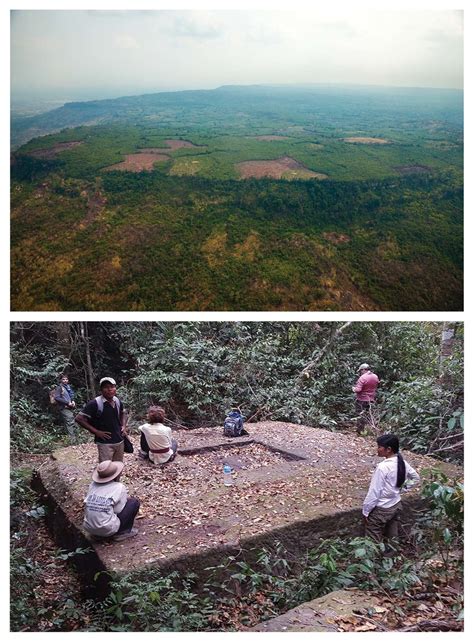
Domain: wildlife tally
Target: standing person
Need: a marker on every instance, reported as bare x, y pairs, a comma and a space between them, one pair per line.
64, 398
365, 389
156, 442
105, 418
382, 504
109, 511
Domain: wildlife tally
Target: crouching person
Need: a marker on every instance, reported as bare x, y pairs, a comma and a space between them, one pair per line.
109, 511
156, 442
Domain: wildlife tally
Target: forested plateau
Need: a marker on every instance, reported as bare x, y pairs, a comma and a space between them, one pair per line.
256, 198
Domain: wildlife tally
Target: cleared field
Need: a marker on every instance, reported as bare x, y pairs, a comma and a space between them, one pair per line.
138, 162
367, 140
284, 167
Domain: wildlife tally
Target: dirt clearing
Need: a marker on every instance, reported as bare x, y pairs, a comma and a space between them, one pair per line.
367, 140
284, 167
138, 162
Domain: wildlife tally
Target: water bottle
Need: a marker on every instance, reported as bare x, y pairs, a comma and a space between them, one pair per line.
228, 480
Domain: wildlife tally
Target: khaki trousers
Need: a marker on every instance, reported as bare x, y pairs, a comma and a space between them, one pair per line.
114, 452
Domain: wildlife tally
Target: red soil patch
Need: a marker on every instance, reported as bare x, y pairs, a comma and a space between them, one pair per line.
145, 158
284, 167
367, 140
52, 152
138, 162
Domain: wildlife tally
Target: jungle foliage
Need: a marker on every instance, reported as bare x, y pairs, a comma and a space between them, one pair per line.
383, 231
294, 372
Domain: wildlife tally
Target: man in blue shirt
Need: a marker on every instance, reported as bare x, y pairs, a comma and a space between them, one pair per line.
64, 398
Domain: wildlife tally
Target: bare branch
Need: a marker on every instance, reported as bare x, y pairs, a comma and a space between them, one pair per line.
324, 349
460, 444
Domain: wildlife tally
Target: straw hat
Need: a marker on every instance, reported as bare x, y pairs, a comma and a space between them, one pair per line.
107, 470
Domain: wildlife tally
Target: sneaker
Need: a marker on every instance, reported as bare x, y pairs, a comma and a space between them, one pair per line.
125, 535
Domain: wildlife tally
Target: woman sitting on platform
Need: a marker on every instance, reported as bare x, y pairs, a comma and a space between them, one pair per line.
156, 443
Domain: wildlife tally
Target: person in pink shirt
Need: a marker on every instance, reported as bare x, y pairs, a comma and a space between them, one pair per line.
365, 390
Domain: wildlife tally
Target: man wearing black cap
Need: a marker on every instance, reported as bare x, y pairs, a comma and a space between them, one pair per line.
105, 418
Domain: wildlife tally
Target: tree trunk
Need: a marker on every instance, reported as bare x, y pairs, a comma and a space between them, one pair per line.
83, 328
448, 337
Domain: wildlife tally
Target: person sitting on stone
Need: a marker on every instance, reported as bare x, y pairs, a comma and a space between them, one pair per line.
156, 443
109, 511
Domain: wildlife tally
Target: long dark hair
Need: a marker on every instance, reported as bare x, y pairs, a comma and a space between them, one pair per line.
391, 441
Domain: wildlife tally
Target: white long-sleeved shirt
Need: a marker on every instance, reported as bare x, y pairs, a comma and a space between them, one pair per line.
383, 490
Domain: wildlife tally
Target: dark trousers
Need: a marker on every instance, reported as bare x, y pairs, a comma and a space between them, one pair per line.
128, 514
362, 409
383, 522
146, 448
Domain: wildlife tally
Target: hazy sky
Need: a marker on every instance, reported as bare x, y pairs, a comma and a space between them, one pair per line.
119, 52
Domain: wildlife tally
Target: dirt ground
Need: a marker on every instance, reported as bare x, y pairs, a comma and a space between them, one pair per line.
284, 167
138, 162
295, 473
145, 158
367, 140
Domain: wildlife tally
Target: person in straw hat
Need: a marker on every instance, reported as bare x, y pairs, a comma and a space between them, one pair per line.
109, 511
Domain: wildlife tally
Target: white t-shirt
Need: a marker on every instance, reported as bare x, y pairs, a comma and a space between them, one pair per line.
158, 436
102, 504
383, 489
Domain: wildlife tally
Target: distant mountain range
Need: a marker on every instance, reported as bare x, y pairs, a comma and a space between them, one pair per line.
231, 103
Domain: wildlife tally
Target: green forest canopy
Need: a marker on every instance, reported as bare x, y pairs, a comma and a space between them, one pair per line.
383, 231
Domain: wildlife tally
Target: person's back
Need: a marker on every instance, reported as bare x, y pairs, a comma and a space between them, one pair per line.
158, 437
102, 504
156, 442
109, 511
366, 386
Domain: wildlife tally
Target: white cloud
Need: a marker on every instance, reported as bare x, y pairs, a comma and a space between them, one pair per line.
125, 41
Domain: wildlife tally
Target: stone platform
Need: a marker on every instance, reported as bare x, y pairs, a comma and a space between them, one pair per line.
293, 484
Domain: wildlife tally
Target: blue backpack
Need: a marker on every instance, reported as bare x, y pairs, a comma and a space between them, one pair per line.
234, 424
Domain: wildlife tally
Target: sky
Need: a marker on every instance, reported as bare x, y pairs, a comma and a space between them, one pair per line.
100, 53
